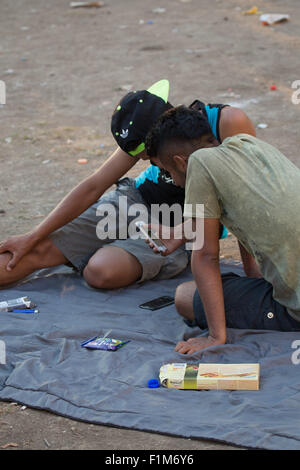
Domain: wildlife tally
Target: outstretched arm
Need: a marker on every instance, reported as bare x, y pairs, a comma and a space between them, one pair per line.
206, 271
76, 202
86, 193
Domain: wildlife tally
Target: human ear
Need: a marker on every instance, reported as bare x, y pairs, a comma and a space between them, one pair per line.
180, 162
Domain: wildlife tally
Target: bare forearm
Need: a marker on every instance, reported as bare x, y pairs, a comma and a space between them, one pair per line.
76, 202
208, 279
85, 194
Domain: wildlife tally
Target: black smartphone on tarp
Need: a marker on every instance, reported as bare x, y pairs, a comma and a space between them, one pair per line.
160, 302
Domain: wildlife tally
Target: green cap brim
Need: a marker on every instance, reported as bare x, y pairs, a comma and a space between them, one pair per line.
160, 89
138, 150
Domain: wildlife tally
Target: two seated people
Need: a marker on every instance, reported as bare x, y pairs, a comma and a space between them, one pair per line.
204, 154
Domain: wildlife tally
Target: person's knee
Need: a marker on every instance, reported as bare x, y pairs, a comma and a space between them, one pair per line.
112, 268
184, 300
180, 301
98, 275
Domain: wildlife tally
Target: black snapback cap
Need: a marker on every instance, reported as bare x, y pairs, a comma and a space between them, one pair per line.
135, 115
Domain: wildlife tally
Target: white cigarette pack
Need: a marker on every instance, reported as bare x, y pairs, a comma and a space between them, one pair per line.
210, 376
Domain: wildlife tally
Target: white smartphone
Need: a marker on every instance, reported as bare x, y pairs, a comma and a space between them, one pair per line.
151, 236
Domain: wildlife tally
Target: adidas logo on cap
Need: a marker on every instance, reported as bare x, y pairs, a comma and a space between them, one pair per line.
124, 133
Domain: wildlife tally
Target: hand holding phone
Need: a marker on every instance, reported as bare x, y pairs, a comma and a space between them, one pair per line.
151, 236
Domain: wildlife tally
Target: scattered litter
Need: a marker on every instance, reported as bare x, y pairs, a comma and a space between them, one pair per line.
153, 383
105, 103
23, 408
141, 22
104, 343
262, 125
9, 71
9, 444
269, 19
46, 442
150, 22
27, 310
86, 4
152, 48
252, 11
101, 146
2, 211
8, 140
210, 376
69, 141
244, 103
230, 94
45, 162
123, 88
273, 87
25, 28
195, 51
82, 161
74, 431
21, 302
159, 10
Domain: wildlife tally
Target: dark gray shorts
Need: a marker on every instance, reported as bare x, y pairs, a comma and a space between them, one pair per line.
249, 304
78, 240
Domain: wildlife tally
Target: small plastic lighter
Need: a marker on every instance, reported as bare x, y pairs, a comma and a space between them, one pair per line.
27, 310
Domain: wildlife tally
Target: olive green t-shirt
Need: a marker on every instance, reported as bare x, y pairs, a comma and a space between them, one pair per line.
255, 192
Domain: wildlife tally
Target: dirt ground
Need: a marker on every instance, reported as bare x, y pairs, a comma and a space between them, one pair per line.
65, 70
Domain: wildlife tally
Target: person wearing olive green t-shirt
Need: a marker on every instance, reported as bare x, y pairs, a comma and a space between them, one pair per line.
254, 190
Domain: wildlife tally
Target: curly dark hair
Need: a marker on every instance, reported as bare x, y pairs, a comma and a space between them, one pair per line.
177, 125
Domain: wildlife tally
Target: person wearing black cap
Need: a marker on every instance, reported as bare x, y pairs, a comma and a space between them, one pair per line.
68, 235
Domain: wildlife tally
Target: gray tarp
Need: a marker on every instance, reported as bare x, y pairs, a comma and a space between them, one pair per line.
47, 368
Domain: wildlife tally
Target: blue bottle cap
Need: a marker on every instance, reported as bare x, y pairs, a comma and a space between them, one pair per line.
153, 383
